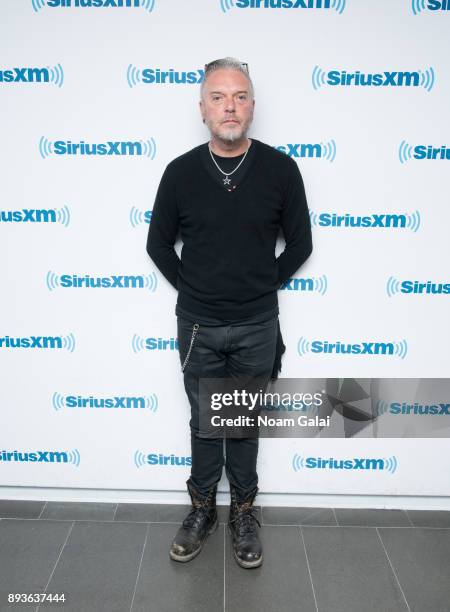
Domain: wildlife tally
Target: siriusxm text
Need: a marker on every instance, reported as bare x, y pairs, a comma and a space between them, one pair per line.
360, 348
25, 75
287, 4
374, 220
102, 282
158, 76
77, 401
61, 147
28, 215
409, 286
94, 3
404, 408
345, 464
378, 79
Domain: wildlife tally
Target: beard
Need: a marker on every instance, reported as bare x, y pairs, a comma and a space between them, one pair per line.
230, 134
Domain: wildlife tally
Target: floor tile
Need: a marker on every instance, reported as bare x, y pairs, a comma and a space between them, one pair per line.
429, 518
421, 560
350, 571
21, 509
74, 511
371, 517
280, 584
167, 586
98, 567
29, 551
273, 515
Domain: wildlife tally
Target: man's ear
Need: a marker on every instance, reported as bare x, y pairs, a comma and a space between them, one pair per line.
201, 110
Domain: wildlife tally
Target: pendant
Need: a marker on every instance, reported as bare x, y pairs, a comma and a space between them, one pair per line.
226, 181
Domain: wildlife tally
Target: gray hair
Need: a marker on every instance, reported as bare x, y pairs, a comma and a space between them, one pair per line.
227, 63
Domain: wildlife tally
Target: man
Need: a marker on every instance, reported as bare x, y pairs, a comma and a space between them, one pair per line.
228, 198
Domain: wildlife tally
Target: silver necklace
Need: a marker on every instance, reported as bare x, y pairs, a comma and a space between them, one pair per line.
227, 180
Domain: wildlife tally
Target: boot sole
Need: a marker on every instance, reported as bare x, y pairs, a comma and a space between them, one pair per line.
192, 555
245, 564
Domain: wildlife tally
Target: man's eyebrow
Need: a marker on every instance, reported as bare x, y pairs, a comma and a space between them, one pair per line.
221, 92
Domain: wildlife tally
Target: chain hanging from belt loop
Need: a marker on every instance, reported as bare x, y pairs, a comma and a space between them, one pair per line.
194, 333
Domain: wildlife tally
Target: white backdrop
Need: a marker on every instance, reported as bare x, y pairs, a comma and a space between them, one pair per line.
95, 209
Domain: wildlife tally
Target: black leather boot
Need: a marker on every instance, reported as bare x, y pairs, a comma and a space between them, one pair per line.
242, 522
198, 524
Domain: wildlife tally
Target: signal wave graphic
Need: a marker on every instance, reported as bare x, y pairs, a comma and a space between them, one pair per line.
321, 284
45, 147
74, 457
427, 78
137, 344
52, 280
58, 401
318, 77
149, 148
140, 459
381, 407
303, 346
63, 215
148, 5
133, 76
401, 349
329, 150
392, 286
226, 5
57, 75
405, 152
413, 221
137, 216
339, 6
298, 462
37, 5
69, 342
417, 6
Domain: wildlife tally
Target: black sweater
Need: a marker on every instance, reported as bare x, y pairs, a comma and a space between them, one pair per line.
228, 267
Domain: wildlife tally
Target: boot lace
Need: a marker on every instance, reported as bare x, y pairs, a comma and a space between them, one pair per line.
245, 521
196, 516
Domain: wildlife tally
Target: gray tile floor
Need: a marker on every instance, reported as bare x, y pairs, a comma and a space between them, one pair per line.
114, 558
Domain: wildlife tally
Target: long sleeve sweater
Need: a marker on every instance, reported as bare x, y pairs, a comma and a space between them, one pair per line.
228, 267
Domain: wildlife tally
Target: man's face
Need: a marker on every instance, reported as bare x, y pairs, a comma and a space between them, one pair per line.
227, 104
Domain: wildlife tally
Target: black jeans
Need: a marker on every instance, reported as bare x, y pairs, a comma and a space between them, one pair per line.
225, 351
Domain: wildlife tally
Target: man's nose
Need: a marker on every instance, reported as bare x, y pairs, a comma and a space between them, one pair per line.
230, 105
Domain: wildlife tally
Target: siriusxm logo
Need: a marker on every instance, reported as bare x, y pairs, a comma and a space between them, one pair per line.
39, 342
375, 220
141, 459
407, 152
397, 349
74, 281
139, 344
432, 5
34, 215
402, 408
54, 75
319, 150
147, 5
158, 76
138, 216
149, 402
336, 5
15, 456
144, 148
317, 284
394, 286
385, 464
343, 78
